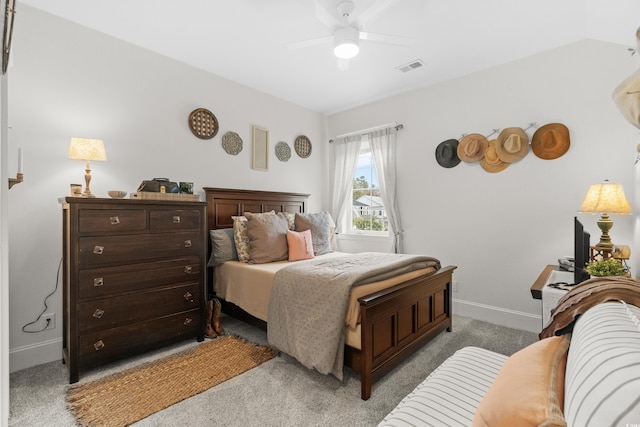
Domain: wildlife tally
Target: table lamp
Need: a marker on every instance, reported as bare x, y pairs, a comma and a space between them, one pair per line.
605, 198
87, 149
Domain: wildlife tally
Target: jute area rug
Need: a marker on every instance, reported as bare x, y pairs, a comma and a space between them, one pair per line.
123, 398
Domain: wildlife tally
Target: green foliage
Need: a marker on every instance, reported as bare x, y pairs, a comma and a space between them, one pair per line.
360, 182
606, 267
367, 222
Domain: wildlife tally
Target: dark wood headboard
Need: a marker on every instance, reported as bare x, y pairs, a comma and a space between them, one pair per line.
223, 203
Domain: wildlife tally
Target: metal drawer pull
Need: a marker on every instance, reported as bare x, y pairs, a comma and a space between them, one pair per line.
188, 297
176, 219
98, 281
187, 243
98, 313
99, 345
187, 321
188, 269
98, 250
114, 220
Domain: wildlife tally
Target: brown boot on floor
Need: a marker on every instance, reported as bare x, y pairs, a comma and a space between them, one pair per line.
209, 331
215, 320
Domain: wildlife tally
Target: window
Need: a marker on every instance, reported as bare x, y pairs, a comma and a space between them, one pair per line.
368, 214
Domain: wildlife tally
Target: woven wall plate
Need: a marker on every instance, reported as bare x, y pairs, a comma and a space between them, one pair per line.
283, 151
203, 123
303, 146
232, 143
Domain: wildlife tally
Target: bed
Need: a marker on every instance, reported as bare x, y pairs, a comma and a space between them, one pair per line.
394, 320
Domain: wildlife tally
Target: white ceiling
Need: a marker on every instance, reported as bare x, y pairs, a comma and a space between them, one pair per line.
246, 40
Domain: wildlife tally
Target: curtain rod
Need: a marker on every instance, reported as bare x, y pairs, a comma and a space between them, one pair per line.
365, 131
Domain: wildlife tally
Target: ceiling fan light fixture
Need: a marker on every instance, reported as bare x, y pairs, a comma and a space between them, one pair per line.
346, 43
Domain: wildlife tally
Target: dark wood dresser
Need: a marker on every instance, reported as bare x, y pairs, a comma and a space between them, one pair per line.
134, 277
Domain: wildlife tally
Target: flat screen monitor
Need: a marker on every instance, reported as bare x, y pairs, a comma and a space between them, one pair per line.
581, 243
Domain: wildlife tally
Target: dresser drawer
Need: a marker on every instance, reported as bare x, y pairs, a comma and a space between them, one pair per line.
175, 219
107, 313
106, 281
116, 343
103, 250
111, 220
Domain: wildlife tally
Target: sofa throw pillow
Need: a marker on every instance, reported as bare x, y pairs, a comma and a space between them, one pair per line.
223, 247
320, 226
529, 389
267, 237
300, 245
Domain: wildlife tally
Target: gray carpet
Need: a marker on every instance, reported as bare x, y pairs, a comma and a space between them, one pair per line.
279, 392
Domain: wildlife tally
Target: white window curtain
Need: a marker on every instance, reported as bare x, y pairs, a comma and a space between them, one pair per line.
344, 155
383, 151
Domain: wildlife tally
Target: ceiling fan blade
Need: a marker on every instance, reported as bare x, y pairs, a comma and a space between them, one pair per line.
386, 39
327, 17
373, 11
310, 42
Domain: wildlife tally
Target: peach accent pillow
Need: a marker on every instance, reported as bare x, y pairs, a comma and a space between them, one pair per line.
529, 389
300, 245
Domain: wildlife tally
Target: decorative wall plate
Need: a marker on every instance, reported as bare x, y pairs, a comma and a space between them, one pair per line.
283, 151
232, 143
303, 146
203, 123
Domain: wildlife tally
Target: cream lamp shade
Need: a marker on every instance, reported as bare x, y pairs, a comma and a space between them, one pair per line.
87, 149
605, 198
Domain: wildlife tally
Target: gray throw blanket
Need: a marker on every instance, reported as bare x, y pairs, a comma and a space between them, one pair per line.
308, 303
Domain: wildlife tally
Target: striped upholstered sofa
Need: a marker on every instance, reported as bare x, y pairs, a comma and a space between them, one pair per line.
588, 378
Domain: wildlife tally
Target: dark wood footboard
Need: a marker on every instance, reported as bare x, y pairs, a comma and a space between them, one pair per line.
397, 321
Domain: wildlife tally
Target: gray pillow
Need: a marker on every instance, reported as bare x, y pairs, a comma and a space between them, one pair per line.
223, 247
320, 226
267, 237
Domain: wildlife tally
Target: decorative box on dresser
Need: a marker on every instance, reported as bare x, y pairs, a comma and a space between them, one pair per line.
134, 277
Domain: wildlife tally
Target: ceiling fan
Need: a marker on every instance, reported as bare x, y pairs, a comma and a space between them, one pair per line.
347, 28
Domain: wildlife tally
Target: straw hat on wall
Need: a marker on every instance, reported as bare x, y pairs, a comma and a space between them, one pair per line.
472, 147
491, 161
512, 144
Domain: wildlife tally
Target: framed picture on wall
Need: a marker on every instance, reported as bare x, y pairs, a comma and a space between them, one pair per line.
260, 149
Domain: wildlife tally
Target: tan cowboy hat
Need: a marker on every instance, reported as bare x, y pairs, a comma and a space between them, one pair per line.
626, 96
446, 153
550, 141
491, 162
471, 148
512, 144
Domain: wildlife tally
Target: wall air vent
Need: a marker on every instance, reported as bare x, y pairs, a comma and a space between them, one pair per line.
418, 63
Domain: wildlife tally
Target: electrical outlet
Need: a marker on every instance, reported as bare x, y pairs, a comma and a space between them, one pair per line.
454, 286
49, 320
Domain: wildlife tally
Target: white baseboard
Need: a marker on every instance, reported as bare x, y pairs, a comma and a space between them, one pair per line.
35, 354
498, 315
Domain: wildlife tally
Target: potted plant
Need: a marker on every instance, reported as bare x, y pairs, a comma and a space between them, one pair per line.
607, 267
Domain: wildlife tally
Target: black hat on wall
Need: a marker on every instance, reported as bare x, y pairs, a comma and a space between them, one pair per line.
447, 153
